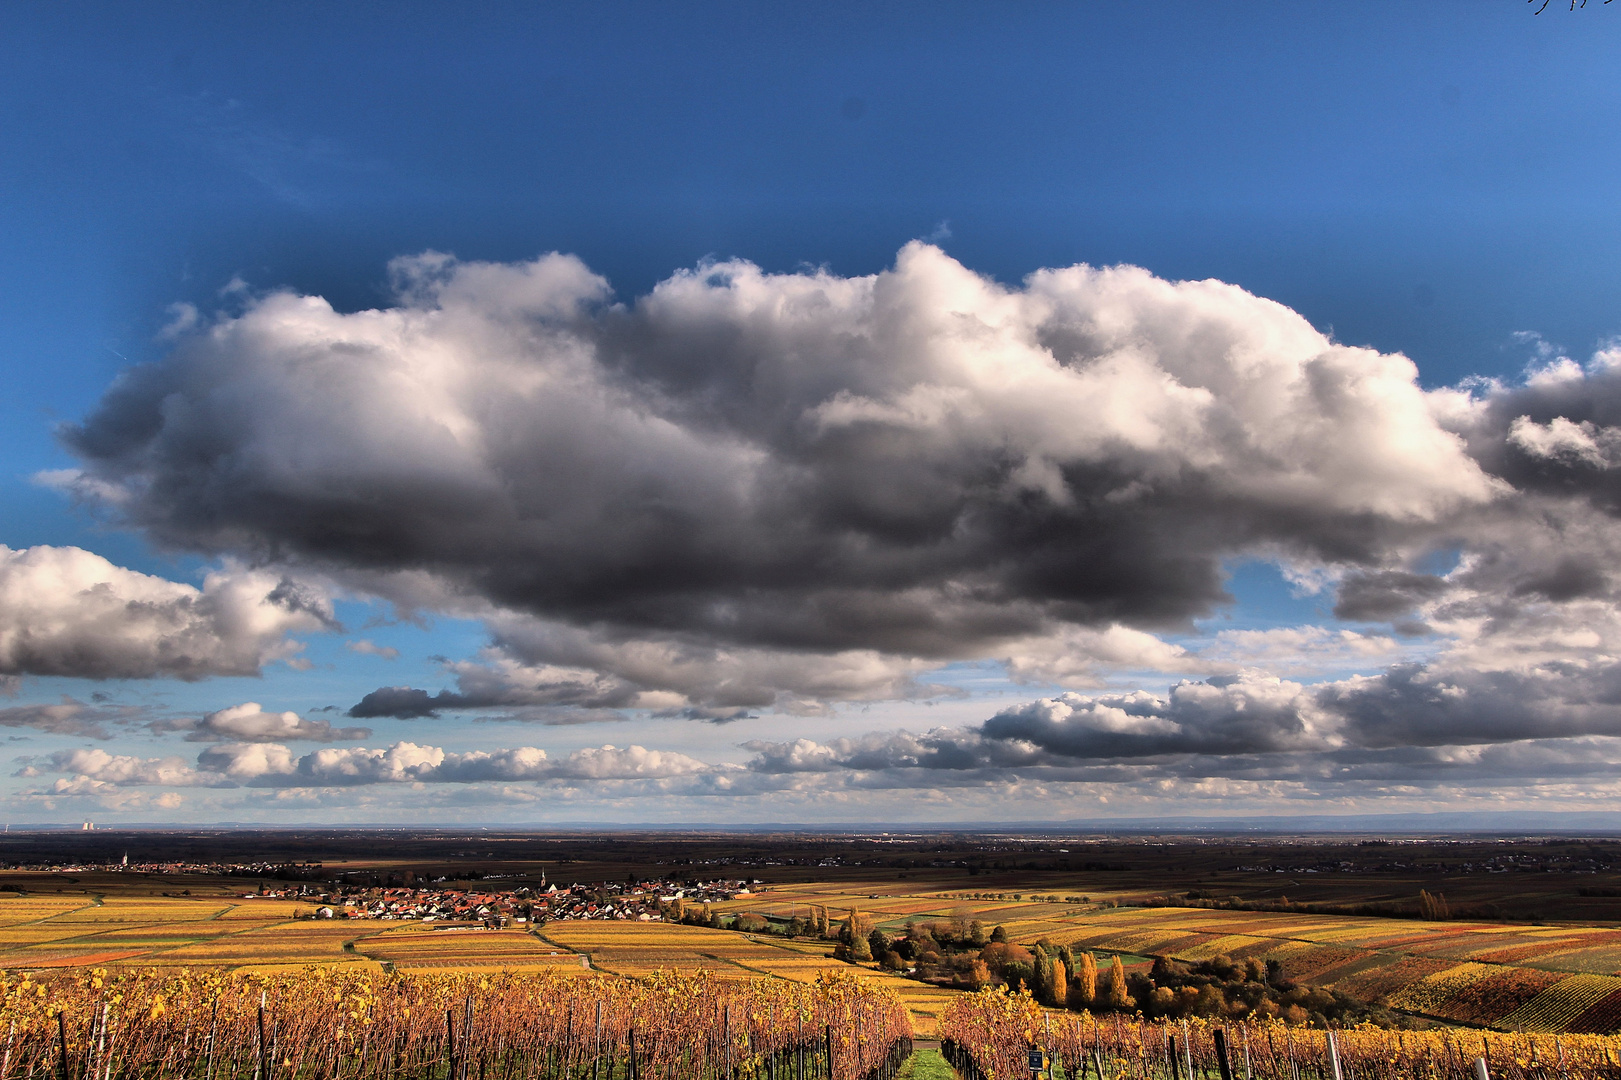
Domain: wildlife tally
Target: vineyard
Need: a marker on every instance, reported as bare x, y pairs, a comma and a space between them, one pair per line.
1537, 978
989, 1036
328, 1025
1555, 979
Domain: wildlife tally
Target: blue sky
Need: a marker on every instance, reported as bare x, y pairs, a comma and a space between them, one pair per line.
1437, 182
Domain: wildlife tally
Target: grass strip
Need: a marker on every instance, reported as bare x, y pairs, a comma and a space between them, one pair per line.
926, 1065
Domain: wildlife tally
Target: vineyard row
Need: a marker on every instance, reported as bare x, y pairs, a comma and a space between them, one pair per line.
991, 1036
343, 1026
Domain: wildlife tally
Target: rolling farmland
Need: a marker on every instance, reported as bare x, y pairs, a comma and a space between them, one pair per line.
413, 947
1514, 976
1508, 976
1518, 977
642, 948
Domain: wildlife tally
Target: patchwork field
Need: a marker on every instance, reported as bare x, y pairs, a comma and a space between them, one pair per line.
1539, 978
638, 948
412, 948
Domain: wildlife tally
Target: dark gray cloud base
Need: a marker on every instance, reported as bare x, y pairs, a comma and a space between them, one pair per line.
920, 462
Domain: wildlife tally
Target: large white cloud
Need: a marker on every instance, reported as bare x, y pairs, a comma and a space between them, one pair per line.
66, 611
122, 770
749, 490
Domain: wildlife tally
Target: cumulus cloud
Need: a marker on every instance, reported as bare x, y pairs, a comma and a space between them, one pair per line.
535, 664
91, 767
260, 764
65, 611
1297, 650
630, 763
366, 647
67, 717
249, 723
1237, 714
749, 490
1557, 430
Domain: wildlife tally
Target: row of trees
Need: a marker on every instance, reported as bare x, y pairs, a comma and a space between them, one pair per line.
921, 944
1219, 988
962, 954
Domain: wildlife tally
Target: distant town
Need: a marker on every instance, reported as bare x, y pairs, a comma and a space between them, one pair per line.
643, 901
652, 900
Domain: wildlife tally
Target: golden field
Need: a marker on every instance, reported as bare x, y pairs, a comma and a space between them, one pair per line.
1513, 976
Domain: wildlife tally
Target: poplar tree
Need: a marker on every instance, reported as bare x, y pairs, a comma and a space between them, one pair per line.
1084, 990
1042, 977
1433, 906
1114, 987
854, 934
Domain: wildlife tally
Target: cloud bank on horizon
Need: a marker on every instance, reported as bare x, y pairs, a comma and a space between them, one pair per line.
749, 493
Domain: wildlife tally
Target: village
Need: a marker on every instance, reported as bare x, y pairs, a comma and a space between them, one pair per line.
642, 901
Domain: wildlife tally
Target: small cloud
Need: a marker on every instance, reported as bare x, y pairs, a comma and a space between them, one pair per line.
367, 647
711, 715
183, 318
942, 231
555, 716
250, 724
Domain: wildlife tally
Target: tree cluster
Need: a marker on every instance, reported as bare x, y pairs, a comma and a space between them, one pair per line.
964, 956
1223, 988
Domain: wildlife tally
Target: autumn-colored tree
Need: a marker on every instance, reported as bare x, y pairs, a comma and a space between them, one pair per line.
1059, 995
1210, 1002
1009, 962
855, 925
854, 935
1114, 986
1083, 989
1433, 906
998, 934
